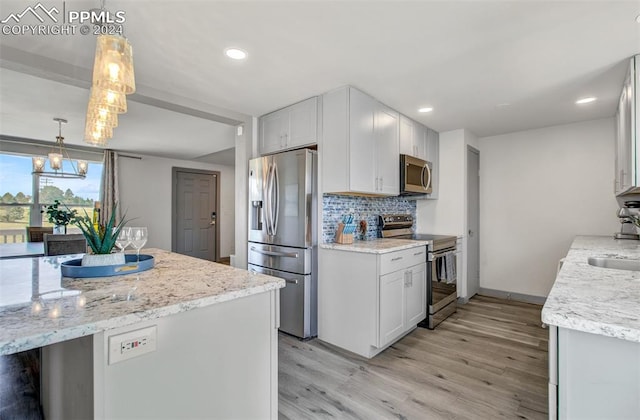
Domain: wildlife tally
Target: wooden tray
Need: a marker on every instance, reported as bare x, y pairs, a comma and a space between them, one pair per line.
73, 268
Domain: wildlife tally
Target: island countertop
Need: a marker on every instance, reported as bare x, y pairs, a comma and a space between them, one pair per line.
596, 300
376, 246
38, 307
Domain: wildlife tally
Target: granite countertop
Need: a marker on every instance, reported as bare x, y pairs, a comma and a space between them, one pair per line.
376, 246
38, 307
596, 300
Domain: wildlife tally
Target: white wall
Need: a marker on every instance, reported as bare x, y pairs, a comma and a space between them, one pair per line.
539, 189
145, 194
448, 214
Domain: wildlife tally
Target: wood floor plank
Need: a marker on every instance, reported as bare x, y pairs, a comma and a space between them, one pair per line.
489, 360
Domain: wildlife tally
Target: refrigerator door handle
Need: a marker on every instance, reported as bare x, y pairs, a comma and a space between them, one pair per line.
275, 254
275, 181
267, 197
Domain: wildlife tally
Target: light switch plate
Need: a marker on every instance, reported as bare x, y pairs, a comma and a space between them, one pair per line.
132, 344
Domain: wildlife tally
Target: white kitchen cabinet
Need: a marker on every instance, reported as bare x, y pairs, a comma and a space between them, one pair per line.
627, 177
368, 301
592, 376
360, 147
289, 128
413, 138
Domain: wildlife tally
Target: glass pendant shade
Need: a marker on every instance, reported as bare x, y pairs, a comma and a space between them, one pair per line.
38, 163
113, 64
103, 115
55, 161
97, 132
107, 99
82, 167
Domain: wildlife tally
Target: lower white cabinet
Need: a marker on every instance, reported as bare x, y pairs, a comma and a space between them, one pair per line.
368, 301
592, 376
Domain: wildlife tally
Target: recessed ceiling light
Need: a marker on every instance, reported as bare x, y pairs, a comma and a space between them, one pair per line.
235, 53
586, 100
427, 109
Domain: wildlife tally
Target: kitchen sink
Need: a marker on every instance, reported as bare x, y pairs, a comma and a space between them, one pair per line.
616, 263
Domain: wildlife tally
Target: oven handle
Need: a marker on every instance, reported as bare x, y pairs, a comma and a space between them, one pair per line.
438, 254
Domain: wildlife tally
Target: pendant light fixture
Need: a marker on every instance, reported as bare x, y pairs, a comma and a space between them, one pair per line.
113, 78
57, 157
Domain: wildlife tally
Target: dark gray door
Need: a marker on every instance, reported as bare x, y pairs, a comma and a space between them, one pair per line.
195, 214
473, 220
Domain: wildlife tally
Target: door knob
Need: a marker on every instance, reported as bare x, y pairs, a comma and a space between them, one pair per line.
470, 233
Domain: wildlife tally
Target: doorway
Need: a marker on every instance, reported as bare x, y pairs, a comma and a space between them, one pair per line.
473, 221
195, 213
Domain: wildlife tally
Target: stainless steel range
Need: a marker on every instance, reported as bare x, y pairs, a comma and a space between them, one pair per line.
441, 266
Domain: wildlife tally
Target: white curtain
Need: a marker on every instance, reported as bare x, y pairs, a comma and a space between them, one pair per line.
109, 191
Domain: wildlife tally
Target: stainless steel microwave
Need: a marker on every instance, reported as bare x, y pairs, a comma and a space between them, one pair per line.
415, 176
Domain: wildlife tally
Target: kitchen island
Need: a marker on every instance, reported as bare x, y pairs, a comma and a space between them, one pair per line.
188, 338
594, 337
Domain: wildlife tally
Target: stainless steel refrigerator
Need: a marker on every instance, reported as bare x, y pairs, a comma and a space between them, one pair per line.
282, 233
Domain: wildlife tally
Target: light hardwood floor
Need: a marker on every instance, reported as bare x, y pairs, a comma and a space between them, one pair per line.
487, 361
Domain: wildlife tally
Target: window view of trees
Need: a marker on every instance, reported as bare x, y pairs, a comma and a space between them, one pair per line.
20, 206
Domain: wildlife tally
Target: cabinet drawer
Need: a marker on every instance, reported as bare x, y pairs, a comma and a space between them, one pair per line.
398, 260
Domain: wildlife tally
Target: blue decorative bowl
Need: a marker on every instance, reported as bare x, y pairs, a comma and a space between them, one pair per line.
73, 268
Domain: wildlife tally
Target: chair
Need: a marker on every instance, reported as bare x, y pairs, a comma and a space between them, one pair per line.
35, 233
64, 244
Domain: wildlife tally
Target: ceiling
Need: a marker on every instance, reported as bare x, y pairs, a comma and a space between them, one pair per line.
466, 59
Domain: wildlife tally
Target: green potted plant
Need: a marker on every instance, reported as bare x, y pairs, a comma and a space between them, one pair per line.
59, 217
101, 239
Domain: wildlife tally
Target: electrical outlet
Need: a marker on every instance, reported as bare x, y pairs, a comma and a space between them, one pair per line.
132, 344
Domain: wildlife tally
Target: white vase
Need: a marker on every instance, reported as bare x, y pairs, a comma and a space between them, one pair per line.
92, 260
60, 229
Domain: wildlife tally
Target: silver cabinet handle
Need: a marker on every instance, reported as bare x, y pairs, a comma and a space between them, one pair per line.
396, 259
418, 253
291, 281
274, 253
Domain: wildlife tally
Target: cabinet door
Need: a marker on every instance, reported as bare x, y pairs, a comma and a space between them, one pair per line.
391, 307
273, 128
406, 136
303, 123
362, 157
420, 141
416, 295
387, 150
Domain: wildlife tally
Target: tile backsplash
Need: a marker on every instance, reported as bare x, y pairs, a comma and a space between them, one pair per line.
363, 208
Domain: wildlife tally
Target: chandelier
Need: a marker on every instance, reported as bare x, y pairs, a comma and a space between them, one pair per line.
113, 78
56, 160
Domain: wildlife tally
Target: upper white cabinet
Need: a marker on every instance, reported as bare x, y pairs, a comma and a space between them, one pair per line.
360, 148
413, 138
424, 143
289, 128
627, 178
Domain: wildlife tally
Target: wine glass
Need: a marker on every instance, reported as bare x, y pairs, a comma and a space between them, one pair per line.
138, 237
124, 238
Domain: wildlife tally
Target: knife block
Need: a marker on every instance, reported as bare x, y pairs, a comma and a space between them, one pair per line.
341, 237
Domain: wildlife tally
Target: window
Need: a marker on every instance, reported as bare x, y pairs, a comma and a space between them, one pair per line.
23, 195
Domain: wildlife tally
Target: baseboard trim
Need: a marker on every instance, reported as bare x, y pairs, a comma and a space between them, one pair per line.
520, 297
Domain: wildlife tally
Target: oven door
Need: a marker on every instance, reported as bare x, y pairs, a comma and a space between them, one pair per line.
415, 176
442, 279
